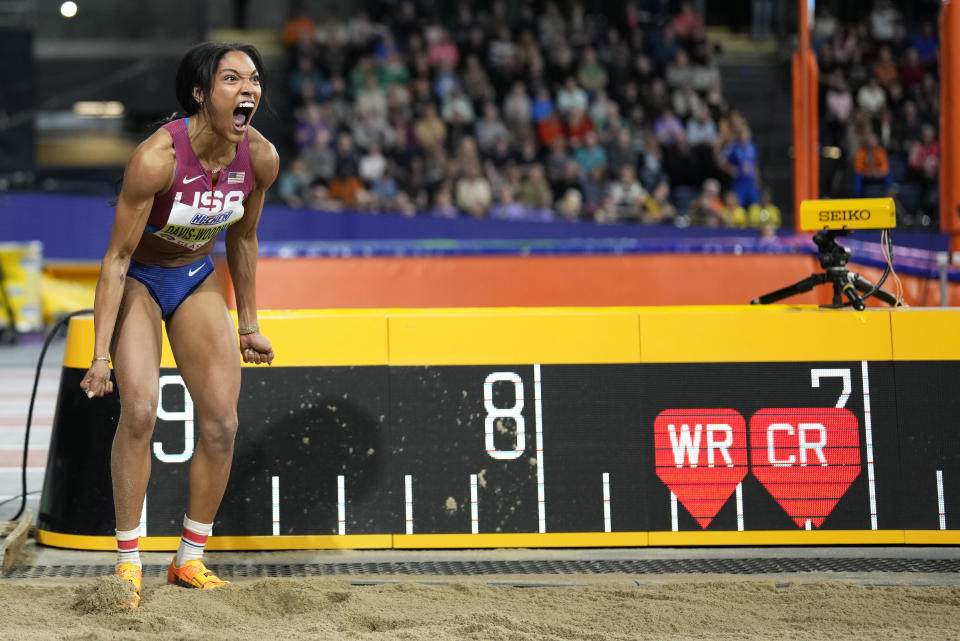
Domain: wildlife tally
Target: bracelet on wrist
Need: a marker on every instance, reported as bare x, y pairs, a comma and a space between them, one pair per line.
249, 329
100, 358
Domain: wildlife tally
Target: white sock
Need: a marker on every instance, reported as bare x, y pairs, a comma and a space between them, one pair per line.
193, 538
128, 547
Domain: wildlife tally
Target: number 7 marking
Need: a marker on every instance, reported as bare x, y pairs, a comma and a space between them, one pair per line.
817, 374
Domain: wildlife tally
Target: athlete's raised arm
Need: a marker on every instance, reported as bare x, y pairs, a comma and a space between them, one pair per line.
149, 172
242, 250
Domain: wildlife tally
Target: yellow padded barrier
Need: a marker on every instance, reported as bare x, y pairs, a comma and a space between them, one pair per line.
925, 334
590, 335
479, 336
763, 334
299, 338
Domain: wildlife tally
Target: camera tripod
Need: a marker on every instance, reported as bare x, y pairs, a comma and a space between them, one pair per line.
833, 259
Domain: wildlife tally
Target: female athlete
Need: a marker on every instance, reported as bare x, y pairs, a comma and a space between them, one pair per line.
204, 171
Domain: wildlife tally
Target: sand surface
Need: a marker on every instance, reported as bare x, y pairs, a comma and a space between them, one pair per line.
595, 608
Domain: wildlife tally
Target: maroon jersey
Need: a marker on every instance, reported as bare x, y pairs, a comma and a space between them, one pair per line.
193, 210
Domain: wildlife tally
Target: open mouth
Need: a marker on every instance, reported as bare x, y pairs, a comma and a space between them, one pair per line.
241, 115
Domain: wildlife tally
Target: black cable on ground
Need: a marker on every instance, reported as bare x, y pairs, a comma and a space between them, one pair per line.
33, 397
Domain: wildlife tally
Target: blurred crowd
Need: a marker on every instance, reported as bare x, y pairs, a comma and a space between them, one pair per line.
511, 113
880, 93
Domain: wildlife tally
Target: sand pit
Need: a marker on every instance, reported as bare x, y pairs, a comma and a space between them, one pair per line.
596, 608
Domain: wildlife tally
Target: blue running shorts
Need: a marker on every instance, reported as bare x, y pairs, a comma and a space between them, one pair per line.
170, 286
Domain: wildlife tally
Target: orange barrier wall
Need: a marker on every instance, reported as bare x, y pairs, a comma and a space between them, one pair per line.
525, 281
506, 281
918, 292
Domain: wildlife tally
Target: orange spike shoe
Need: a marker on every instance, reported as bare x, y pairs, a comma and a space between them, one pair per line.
193, 574
133, 574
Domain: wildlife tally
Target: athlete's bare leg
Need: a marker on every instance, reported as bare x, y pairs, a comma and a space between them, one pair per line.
204, 343
136, 363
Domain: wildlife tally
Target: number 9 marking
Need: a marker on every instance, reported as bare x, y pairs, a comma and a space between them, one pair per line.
186, 416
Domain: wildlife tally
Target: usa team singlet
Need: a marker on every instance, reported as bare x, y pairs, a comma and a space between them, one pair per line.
193, 211
190, 214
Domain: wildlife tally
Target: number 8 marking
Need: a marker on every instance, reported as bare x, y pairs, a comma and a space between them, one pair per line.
494, 413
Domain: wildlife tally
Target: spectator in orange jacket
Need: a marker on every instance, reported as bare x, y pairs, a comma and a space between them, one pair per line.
299, 28
870, 165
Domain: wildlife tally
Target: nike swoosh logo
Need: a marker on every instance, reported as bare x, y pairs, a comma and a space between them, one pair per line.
187, 181
194, 271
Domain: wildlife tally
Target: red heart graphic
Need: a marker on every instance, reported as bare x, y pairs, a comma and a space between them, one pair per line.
806, 457
701, 455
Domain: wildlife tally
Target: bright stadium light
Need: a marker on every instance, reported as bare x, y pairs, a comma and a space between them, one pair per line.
68, 9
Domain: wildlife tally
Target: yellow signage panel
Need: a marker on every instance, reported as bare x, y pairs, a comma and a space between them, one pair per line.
848, 213
21, 271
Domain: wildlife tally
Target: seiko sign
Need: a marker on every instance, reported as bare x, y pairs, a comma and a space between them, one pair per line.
848, 213
843, 215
